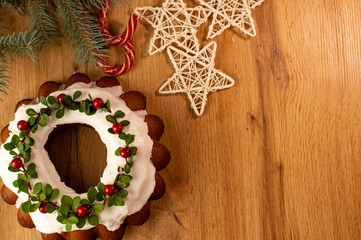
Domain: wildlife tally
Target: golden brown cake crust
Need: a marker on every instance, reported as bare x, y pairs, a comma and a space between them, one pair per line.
8, 196
22, 102
155, 126
160, 158
134, 100
77, 77
5, 133
106, 82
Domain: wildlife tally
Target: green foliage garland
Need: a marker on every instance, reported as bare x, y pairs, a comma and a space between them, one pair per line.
20, 147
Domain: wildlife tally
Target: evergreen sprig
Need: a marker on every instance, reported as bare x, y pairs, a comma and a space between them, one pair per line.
48, 17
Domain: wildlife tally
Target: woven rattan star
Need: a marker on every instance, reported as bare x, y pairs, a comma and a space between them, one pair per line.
196, 76
227, 13
173, 22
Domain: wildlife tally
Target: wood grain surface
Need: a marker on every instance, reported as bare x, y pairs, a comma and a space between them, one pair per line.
277, 156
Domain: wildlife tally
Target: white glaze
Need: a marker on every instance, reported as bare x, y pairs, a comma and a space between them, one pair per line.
143, 171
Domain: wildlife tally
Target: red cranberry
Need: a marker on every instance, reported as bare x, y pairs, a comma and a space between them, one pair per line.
16, 163
125, 152
109, 190
98, 103
117, 128
42, 207
22, 125
60, 97
82, 211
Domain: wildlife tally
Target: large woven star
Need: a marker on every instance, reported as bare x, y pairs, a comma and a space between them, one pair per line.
227, 13
195, 75
173, 22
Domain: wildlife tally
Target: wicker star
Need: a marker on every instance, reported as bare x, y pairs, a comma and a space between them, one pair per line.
196, 76
254, 3
227, 13
173, 22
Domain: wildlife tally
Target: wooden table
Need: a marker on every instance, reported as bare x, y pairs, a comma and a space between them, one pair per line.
277, 156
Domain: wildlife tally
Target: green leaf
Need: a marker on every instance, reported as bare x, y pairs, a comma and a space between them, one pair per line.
60, 113
16, 183
110, 130
49, 208
11, 169
31, 121
67, 100
84, 202
117, 152
111, 201
66, 200
61, 219
125, 123
119, 201
9, 146
98, 208
23, 133
123, 136
126, 178
126, 168
77, 94
30, 140
31, 112
55, 106
91, 194
68, 227
33, 174
64, 209
76, 203
74, 106
34, 128
90, 97
121, 185
107, 104
32, 166
47, 190
119, 114
23, 187
93, 220
26, 206
122, 193
82, 109
133, 150
101, 187
21, 147
37, 188
81, 223
99, 197
43, 100
51, 100
73, 219
15, 140
42, 196
130, 139
54, 194
109, 119
34, 207
21, 176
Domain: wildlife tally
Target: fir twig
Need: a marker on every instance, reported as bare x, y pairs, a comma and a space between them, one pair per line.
45, 23
24, 43
82, 31
4, 78
19, 6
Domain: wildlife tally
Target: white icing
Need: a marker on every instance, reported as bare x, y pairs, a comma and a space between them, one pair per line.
143, 171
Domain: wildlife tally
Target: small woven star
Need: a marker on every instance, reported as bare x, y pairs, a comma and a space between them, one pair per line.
195, 75
227, 13
254, 3
173, 22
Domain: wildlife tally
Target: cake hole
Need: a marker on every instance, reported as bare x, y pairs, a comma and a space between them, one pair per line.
78, 155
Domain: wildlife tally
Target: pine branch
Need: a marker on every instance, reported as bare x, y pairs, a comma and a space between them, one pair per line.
82, 31
98, 4
45, 23
24, 43
19, 5
4, 78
